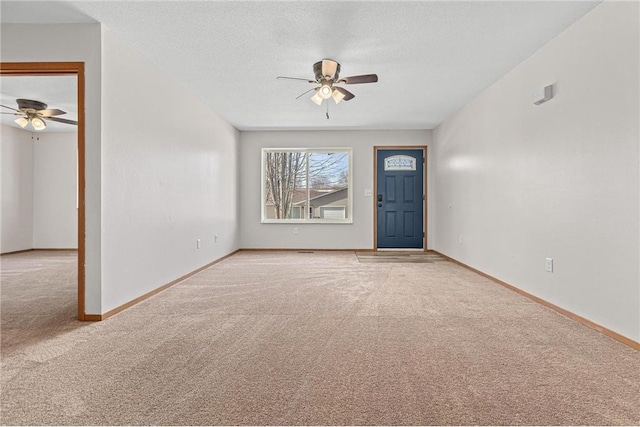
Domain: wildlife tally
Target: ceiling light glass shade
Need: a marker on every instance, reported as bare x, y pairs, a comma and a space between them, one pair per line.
329, 68
38, 123
22, 121
325, 91
337, 95
317, 98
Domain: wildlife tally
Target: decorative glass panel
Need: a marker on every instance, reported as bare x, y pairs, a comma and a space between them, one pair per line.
400, 163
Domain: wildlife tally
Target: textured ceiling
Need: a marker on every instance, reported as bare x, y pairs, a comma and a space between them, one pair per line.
431, 57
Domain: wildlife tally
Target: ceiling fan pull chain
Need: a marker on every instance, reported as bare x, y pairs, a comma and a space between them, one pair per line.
327, 110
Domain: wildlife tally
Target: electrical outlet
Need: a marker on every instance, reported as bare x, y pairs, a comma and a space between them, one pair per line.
295, 230
198, 244
548, 264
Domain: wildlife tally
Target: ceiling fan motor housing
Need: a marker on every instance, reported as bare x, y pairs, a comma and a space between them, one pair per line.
317, 70
28, 104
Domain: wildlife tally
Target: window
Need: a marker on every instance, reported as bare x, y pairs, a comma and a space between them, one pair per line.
306, 185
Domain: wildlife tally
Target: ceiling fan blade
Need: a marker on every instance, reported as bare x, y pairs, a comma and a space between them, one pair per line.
366, 78
58, 119
302, 94
51, 112
347, 95
296, 78
329, 68
13, 114
10, 108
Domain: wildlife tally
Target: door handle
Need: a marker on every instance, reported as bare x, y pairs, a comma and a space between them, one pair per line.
379, 197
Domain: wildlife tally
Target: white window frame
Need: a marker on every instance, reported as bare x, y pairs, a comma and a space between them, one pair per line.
263, 183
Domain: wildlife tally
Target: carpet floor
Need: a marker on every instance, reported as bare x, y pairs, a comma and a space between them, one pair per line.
287, 338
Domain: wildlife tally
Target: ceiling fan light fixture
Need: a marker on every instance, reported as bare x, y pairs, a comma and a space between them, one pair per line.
329, 68
22, 122
327, 74
337, 95
38, 123
325, 91
317, 98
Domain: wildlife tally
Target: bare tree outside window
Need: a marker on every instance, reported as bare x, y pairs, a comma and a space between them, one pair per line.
306, 184
283, 174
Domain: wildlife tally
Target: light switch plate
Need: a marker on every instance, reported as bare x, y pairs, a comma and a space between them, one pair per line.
548, 264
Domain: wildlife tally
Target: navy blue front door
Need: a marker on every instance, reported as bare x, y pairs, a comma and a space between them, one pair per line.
399, 198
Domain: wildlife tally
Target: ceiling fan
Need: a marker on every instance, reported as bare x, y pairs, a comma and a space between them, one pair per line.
36, 112
327, 76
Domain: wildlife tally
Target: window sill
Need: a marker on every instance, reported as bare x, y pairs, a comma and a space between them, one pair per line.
307, 221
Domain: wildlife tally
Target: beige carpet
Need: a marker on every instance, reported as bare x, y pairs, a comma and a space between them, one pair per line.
294, 338
38, 291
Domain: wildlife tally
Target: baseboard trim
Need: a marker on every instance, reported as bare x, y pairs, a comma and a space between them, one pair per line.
302, 249
110, 313
39, 249
16, 252
586, 322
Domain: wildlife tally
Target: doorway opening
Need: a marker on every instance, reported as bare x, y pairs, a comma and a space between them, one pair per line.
48, 69
400, 199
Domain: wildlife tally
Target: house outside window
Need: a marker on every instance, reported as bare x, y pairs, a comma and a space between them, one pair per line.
306, 185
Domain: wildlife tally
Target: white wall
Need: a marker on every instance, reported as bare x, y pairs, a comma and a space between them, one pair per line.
39, 183
71, 42
55, 184
169, 177
522, 182
16, 151
358, 235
